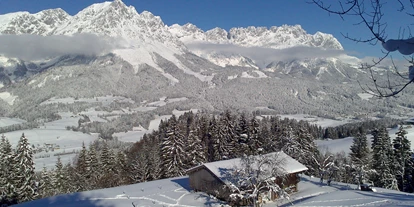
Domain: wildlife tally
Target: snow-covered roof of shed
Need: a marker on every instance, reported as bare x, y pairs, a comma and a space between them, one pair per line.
219, 168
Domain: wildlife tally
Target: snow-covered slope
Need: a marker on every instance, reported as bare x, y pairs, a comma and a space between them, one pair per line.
176, 192
168, 192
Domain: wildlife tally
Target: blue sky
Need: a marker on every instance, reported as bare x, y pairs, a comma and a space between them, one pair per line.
207, 14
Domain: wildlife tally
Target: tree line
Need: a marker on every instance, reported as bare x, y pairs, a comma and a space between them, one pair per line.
192, 139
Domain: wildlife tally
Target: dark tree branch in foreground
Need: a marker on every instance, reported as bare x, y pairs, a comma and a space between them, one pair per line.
370, 14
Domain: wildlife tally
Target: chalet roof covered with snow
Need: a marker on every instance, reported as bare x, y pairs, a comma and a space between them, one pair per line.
219, 168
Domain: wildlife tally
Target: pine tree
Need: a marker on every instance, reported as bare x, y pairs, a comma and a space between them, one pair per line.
360, 157
195, 148
228, 136
402, 164
173, 150
122, 168
108, 162
255, 140
25, 171
82, 169
242, 136
8, 173
94, 167
382, 160
59, 180
45, 184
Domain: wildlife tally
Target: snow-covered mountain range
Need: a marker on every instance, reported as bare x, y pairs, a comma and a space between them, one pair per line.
144, 59
249, 38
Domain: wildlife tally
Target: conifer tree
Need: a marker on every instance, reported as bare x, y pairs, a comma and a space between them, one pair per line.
25, 171
360, 157
8, 172
173, 150
45, 184
242, 136
403, 164
255, 140
59, 179
194, 148
82, 169
382, 160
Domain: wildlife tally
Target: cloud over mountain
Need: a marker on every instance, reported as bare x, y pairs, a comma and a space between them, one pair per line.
32, 47
263, 56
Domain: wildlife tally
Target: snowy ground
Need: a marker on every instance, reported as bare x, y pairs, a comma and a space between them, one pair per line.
314, 194
323, 122
338, 145
168, 192
5, 121
176, 192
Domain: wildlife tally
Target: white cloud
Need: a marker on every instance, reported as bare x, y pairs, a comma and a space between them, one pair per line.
263, 56
32, 47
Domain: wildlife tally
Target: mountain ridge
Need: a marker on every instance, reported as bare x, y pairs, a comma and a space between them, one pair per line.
155, 62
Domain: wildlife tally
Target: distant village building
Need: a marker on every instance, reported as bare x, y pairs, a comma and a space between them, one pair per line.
212, 179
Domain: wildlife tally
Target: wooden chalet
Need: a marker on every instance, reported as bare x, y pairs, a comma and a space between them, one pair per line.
212, 178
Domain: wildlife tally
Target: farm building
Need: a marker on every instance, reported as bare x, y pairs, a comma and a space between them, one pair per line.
214, 178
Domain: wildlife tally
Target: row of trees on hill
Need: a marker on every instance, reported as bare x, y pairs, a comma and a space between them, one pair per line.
382, 162
184, 142
191, 139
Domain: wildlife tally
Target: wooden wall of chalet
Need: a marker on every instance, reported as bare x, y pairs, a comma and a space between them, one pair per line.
204, 181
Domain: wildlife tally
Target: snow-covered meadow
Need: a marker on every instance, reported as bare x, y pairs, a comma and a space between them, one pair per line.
54, 139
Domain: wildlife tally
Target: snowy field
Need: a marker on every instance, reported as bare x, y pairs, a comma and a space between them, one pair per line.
138, 132
105, 100
56, 139
5, 121
176, 192
323, 122
338, 145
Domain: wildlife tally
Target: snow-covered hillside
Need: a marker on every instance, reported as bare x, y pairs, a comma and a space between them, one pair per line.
176, 192
168, 192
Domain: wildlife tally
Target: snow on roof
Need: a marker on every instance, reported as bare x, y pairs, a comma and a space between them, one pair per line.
221, 168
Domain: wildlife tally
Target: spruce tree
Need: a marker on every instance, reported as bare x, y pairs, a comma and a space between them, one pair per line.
173, 150
382, 160
403, 163
94, 168
82, 169
360, 157
45, 184
194, 148
25, 171
8, 172
255, 141
59, 180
